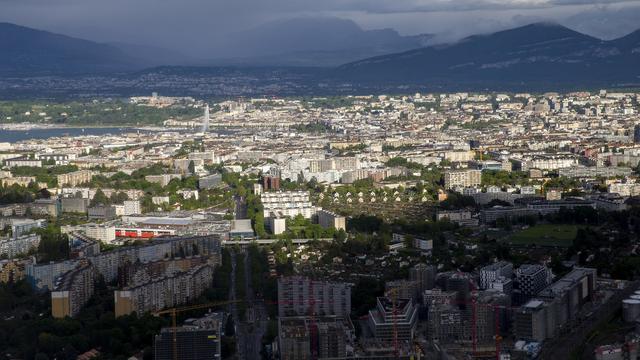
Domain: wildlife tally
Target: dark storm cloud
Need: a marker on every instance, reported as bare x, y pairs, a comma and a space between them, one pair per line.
195, 26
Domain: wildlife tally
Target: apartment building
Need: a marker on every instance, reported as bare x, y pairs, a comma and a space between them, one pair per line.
43, 276
462, 178
163, 292
75, 178
132, 207
328, 219
104, 233
287, 204
20, 245
296, 294
72, 291
22, 161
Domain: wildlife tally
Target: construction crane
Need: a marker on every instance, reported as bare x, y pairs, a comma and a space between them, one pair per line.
174, 311
393, 295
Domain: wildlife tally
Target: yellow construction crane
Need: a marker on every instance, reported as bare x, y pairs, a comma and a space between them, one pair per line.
174, 311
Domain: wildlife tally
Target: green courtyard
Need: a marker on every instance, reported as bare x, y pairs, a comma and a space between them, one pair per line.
545, 235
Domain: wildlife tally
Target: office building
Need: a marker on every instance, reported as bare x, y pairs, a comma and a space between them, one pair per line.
393, 316
502, 284
531, 279
490, 273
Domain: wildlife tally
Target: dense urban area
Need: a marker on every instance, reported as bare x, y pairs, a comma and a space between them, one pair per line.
426, 226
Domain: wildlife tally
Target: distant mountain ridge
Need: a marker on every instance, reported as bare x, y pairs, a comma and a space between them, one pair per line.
541, 52
35, 52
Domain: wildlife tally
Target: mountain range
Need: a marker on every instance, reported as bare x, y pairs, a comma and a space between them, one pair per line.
537, 53
542, 54
26, 51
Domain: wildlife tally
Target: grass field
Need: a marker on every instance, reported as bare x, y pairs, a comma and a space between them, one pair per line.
545, 235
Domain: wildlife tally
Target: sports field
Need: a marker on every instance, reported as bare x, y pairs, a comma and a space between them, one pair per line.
545, 235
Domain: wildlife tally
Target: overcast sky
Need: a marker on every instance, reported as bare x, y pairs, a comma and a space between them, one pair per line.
183, 24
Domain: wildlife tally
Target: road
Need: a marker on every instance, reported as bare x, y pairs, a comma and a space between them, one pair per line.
254, 328
249, 332
240, 339
241, 207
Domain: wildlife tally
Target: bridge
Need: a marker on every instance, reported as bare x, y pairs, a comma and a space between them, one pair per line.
245, 241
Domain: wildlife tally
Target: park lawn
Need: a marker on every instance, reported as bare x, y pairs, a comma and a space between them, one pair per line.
545, 235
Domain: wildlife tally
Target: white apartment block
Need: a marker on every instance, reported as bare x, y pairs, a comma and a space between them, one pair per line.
12, 247
132, 207
104, 233
287, 204
462, 178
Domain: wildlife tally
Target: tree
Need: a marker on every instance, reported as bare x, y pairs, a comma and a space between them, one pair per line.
192, 167
53, 245
100, 198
